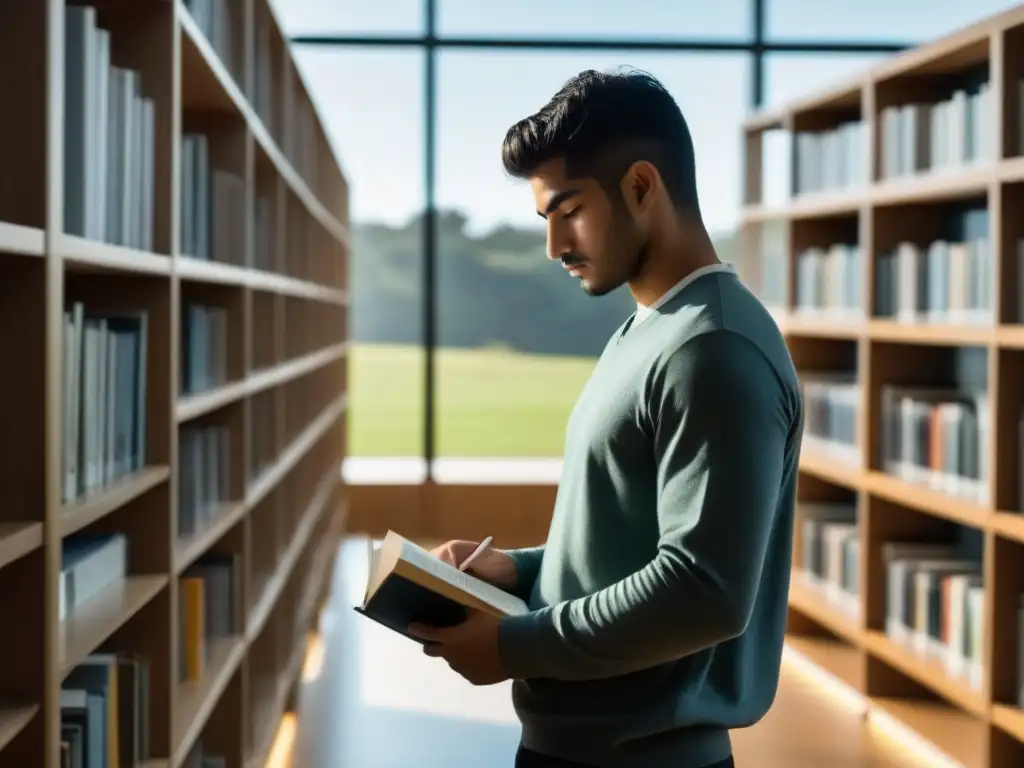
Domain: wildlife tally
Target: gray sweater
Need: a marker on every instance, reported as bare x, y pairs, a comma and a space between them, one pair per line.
659, 599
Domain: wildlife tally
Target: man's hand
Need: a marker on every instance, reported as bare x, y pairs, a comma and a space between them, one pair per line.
470, 648
493, 565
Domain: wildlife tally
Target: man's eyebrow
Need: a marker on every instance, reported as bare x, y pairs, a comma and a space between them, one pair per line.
556, 200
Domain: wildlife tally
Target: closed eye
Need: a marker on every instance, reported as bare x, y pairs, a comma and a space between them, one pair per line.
572, 213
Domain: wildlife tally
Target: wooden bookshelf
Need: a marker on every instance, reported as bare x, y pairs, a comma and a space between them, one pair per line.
173, 262
893, 265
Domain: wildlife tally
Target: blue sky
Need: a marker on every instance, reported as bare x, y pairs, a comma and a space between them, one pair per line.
372, 100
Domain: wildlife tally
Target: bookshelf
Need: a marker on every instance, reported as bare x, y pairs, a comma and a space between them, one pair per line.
173, 264
894, 262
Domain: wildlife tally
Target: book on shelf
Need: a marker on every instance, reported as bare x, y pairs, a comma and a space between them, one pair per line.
90, 563
104, 705
204, 474
104, 398
946, 134
828, 283
209, 609
213, 202
204, 343
950, 281
937, 436
406, 584
830, 551
109, 140
935, 605
214, 18
831, 159
831, 406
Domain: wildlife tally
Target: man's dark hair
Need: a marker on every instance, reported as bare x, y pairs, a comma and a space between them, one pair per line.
600, 123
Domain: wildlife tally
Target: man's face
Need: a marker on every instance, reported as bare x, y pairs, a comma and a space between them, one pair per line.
596, 240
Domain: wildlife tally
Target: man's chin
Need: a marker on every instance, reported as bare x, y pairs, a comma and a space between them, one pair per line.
592, 288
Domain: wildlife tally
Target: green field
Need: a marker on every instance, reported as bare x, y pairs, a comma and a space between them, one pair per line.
490, 402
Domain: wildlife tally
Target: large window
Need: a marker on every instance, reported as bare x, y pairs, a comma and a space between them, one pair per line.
351, 17
789, 76
517, 338
372, 104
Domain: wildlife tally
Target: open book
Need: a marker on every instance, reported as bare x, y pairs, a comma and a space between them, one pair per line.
409, 585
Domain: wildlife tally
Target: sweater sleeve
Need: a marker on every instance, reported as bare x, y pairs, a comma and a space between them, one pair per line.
719, 418
527, 567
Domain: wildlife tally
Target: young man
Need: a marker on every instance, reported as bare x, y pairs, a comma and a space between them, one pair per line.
659, 600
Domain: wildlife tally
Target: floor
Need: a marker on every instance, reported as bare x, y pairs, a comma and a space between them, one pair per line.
370, 699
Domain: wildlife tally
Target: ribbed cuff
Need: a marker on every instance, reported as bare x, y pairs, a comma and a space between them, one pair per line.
523, 645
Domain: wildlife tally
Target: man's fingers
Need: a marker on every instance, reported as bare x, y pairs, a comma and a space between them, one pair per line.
424, 632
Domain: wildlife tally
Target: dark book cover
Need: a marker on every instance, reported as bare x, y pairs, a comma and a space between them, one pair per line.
399, 602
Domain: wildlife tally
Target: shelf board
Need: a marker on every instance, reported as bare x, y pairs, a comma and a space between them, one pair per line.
94, 255
190, 548
193, 406
795, 324
843, 661
1010, 719
816, 607
195, 701
13, 721
1009, 525
26, 241
926, 500
295, 368
932, 334
18, 540
274, 709
927, 672
84, 630
1011, 335
77, 514
957, 734
830, 470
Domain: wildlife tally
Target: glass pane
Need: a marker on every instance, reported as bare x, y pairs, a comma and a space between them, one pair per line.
910, 21
376, 123
578, 19
518, 337
791, 76
350, 17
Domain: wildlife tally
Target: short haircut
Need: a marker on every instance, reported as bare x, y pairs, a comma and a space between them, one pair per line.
600, 123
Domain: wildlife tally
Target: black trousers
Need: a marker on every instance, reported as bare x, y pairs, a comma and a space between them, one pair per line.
526, 758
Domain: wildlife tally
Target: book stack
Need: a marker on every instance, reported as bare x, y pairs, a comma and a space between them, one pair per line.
831, 404
828, 283
831, 159
935, 600
830, 552
209, 609
937, 437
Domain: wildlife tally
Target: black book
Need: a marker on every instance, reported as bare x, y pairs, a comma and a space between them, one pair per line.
408, 585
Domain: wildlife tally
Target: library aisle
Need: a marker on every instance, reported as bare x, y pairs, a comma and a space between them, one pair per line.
370, 699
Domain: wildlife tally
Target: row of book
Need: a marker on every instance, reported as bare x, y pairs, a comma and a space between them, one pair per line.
204, 347
263, 443
831, 159
265, 83
204, 475
216, 21
948, 134
210, 608
213, 205
104, 713
828, 282
948, 281
938, 437
830, 553
103, 398
935, 598
109, 139
831, 405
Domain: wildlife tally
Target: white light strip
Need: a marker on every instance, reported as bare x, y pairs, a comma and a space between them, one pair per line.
905, 738
841, 692
910, 740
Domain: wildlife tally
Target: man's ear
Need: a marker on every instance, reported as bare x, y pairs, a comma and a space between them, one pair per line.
639, 187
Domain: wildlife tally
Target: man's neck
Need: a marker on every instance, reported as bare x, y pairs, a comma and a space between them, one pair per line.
671, 260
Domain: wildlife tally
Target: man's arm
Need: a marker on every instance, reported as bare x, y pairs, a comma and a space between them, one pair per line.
720, 419
527, 567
